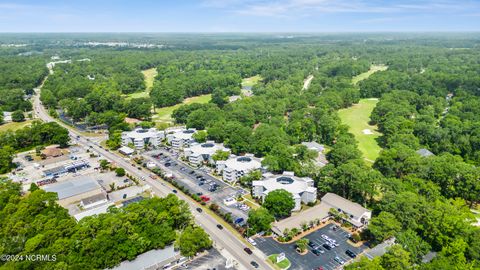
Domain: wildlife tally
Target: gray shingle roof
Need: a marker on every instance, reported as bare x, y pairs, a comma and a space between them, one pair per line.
347, 206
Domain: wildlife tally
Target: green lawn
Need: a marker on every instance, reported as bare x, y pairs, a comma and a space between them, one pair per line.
357, 118
251, 81
282, 264
14, 125
363, 76
149, 75
164, 115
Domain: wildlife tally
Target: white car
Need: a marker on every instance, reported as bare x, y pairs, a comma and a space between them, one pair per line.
251, 241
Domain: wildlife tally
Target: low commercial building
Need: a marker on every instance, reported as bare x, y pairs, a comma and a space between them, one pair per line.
71, 167
165, 258
55, 172
74, 190
140, 137
102, 209
202, 152
93, 201
356, 214
237, 166
301, 188
125, 150
51, 152
181, 138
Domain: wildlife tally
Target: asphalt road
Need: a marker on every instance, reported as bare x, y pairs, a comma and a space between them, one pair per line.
222, 238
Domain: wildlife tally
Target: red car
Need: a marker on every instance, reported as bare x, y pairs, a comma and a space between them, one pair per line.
205, 198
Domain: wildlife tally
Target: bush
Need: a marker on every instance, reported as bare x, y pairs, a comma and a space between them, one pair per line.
120, 172
18, 116
355, 237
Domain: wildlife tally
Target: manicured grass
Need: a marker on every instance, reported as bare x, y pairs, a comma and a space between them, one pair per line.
250, 202
15, 125
149, 75
357, 118
164, 115
142, 94
251, 81
282, 264
363, 76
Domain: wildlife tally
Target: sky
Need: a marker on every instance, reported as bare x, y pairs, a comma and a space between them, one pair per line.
239, 15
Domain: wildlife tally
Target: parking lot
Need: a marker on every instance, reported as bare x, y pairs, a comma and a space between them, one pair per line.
212, 261
311, 261
32, 171
191, 178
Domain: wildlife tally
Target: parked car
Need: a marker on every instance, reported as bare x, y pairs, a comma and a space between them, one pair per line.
339, 260
316, 252
312, 245
326, 246
351, 253
248, 251
251, 241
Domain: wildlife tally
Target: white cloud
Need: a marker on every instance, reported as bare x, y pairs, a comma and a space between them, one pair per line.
290, 8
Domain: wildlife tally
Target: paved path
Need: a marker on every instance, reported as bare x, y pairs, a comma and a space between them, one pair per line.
307, 81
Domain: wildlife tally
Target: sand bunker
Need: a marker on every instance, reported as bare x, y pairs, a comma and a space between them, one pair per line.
367, 132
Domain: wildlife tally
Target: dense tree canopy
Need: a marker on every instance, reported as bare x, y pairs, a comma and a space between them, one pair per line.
279, 203
97, 242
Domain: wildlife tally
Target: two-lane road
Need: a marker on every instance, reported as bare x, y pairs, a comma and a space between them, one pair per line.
223, 238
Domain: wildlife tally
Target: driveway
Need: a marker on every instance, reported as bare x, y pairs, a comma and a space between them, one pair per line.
311, 261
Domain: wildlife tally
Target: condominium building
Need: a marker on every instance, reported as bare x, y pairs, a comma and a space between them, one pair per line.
237, 166
181, 138
356, 214
202, 152
301, 188
140, 137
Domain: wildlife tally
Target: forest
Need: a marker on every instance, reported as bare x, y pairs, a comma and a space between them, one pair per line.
35, 224
38, 134
428, 99
18, 77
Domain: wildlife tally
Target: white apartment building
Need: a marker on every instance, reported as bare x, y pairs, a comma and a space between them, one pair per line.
357, 215
181, 138
236, 167
301, 188
139, 137
202, 152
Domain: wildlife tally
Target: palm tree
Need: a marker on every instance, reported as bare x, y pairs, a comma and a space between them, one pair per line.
302, 244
